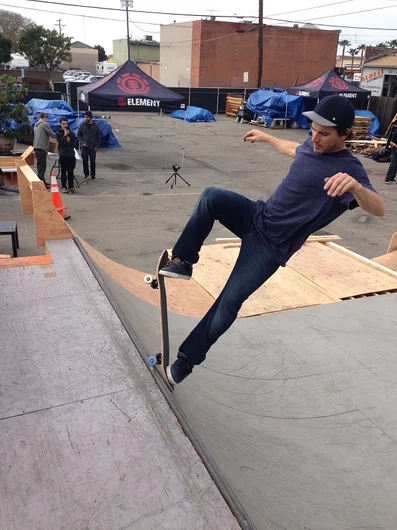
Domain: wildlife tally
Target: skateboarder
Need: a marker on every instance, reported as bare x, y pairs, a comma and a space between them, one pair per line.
324, 181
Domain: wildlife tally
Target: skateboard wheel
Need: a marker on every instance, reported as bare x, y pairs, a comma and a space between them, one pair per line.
148, 278
152, 360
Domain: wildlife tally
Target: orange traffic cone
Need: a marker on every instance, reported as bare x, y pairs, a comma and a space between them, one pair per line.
56, 196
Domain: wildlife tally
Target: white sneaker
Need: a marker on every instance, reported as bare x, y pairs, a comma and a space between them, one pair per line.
169, 375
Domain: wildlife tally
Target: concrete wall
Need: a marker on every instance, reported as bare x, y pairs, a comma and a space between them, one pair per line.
152, 69
139, 51
176, 54
220, 56
83, 58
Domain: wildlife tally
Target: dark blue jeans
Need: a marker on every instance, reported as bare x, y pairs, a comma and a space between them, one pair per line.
88, 153
254, 265
392, 171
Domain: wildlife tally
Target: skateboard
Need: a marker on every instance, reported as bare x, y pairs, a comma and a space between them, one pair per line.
162, 359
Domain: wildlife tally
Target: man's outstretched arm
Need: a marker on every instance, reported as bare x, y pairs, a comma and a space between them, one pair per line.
367, 199
284, 147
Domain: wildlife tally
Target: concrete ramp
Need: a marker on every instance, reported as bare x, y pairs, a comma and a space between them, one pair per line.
87, 439
295, 410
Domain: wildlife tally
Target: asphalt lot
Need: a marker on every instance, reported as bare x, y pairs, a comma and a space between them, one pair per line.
130, 214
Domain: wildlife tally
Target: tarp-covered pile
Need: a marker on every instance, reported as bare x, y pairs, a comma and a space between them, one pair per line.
271, 105
56, 109
193, 114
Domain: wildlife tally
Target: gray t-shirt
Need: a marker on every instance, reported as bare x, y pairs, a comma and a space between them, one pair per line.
42, 134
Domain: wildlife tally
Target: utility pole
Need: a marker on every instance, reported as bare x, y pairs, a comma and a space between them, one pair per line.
127, 4
60, 26
260, 45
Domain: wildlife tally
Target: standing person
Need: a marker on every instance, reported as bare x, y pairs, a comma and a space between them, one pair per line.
324, 181
67, 159
89, 137
41, 145
392, 171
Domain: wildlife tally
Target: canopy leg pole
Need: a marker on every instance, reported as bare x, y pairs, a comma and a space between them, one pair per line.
286, 111
161, 123
184, 140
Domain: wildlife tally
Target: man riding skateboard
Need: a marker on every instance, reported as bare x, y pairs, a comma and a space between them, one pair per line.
324, 181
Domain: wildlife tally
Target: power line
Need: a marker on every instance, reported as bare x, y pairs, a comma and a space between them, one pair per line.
184, 14
84, 16
135, 10
354, 12
308, 8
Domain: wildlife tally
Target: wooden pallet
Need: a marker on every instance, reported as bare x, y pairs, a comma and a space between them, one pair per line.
233, 104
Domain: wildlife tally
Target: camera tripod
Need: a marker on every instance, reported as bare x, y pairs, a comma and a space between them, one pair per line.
175, 175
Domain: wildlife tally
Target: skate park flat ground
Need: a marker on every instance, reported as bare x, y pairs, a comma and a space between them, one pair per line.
130, 214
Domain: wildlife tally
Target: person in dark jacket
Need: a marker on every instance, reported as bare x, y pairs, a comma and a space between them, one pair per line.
392, 171
89, 137
67, 158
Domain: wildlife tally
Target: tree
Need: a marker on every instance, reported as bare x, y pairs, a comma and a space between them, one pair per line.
5, 49
101, 53
352, 52
361, 49
392, 43
11, 26
343, 43
14, 118
381, 45
44, 47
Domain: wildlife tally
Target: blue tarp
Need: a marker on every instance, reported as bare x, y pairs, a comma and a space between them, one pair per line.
55, 111
193, 114
375, 123
40, 105
270, 105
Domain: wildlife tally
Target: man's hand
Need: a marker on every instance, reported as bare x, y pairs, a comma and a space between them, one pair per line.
341, 183
255, 136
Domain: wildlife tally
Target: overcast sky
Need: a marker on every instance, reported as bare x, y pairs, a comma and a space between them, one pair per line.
102, 30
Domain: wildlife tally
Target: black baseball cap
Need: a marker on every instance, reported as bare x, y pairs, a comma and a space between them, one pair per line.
333, 111
88, 113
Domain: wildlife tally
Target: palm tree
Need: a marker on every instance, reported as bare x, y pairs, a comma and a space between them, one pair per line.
352, 52
344, 43
381, 45
361, 49
392, 43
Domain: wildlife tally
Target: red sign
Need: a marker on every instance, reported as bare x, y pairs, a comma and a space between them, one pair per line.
133, 84
338, 83
315, 83
122, 102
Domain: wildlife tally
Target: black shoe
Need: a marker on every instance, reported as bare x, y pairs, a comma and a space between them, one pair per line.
93, 177
390, 181
178, 371
176, 268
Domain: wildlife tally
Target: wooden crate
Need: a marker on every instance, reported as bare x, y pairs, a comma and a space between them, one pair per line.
232, 104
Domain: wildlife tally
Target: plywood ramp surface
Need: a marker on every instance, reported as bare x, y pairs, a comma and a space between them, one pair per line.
184, 297
339, 274
388, 260
316, 275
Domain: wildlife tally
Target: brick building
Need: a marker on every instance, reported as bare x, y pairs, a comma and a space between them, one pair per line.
208, 53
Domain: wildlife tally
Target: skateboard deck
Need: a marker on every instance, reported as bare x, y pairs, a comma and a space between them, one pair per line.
162, 359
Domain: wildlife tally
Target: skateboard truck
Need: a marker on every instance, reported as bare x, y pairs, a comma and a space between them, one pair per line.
154, 360
152, 281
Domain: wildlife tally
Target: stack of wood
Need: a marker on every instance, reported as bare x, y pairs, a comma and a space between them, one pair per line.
366, 147
361, 128
232, 104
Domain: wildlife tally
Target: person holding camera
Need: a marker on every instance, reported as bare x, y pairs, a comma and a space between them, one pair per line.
67, 143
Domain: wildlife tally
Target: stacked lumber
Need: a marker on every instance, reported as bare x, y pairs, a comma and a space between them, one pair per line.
361, 128
232, 104
365, 147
